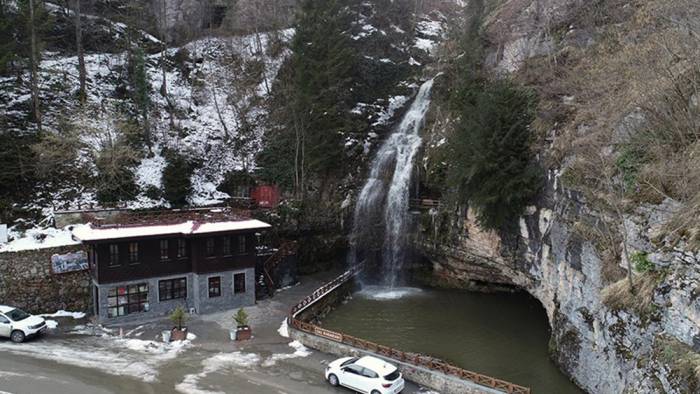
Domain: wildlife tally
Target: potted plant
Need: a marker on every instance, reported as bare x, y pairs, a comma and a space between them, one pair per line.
179, 317
243, 331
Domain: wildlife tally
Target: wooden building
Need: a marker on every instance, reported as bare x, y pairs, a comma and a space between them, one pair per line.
140, 271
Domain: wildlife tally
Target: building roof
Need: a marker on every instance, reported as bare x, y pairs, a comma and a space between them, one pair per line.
91, 233
377, 365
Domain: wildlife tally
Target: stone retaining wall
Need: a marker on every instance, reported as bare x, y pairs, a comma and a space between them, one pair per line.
26, 281
444, 384
315, 311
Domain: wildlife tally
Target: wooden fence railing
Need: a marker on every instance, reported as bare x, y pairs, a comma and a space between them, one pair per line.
409, 358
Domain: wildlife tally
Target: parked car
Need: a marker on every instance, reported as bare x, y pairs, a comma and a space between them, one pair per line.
18, 325
367, 374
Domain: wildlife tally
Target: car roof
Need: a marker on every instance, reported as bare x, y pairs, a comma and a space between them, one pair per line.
5, 308
376, 364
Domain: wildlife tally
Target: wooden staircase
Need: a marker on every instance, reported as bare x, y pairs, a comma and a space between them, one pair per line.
288, 248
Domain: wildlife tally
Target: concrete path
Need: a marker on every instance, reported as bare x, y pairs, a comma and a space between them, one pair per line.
73, 360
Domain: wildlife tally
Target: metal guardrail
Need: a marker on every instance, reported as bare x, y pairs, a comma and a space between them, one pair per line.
409, 358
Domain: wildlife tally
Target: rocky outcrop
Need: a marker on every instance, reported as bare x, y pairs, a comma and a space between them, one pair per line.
604, 350
566, 250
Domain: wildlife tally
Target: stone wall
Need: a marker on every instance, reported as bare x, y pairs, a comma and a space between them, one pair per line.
434, 380
26, 281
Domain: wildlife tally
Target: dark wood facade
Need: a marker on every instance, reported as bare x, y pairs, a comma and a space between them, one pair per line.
118, 260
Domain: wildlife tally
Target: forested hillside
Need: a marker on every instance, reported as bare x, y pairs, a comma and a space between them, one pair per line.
171, 103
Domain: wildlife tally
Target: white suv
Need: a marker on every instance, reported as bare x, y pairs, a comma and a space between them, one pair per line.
17, 324
368, 374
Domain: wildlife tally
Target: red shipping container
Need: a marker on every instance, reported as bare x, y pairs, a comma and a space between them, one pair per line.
266, 196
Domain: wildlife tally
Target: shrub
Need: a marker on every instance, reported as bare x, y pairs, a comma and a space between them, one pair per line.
116, 180
241, 318
641, 262
177, 183
152, 192
178, 316
619, 295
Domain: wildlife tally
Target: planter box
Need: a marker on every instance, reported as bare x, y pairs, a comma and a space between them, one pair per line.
243, 333
178, 335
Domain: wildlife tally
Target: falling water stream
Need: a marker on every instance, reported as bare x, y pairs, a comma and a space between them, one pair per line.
384, 197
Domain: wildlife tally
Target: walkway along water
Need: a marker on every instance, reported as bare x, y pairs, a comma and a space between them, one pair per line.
427, 371
385, 194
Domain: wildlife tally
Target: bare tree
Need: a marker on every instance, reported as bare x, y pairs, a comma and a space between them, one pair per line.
34, 73
81, 52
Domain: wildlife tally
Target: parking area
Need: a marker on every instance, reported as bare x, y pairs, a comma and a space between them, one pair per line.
77, 357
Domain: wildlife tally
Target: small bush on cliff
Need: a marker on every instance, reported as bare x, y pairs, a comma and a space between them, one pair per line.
619, 295
641, 262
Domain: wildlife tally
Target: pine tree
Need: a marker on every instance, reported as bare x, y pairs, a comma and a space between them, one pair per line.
492, 166
318, 93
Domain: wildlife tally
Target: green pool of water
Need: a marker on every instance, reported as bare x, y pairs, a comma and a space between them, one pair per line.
502, 335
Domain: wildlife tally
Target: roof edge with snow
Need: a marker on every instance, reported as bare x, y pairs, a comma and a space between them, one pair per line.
90, 233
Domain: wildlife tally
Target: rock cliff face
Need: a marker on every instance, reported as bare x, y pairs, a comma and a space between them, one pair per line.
649, 343
602, 349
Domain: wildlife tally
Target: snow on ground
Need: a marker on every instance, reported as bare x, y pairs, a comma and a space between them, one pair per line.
51, 324
37, 238
150, 171
284, 328
222, 361
108, 353
299, 351
187, 121
62, 313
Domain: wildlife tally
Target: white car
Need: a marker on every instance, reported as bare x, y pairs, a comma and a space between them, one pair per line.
368, 374
17, 324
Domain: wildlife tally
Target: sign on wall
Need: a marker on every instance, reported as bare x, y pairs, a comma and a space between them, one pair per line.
69, 262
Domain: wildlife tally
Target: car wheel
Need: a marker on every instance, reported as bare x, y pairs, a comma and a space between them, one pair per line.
333, 380
375, 392
17, 336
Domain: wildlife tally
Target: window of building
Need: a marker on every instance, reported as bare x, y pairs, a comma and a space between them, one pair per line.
214, 286
239, 283
181, 248
210, 247
242, 244
113, 255
226, 246
164, 255
172, 289
125, 300
134, 253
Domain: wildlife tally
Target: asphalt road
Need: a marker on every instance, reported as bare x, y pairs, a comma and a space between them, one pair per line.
73, 362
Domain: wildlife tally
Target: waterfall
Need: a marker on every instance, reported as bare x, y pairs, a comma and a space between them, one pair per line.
384, 197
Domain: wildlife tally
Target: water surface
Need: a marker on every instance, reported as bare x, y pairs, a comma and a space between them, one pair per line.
502, 335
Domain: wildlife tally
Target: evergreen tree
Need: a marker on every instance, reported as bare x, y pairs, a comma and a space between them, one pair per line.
141, 90
8, 46
177, 184
491, 162
316, 97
